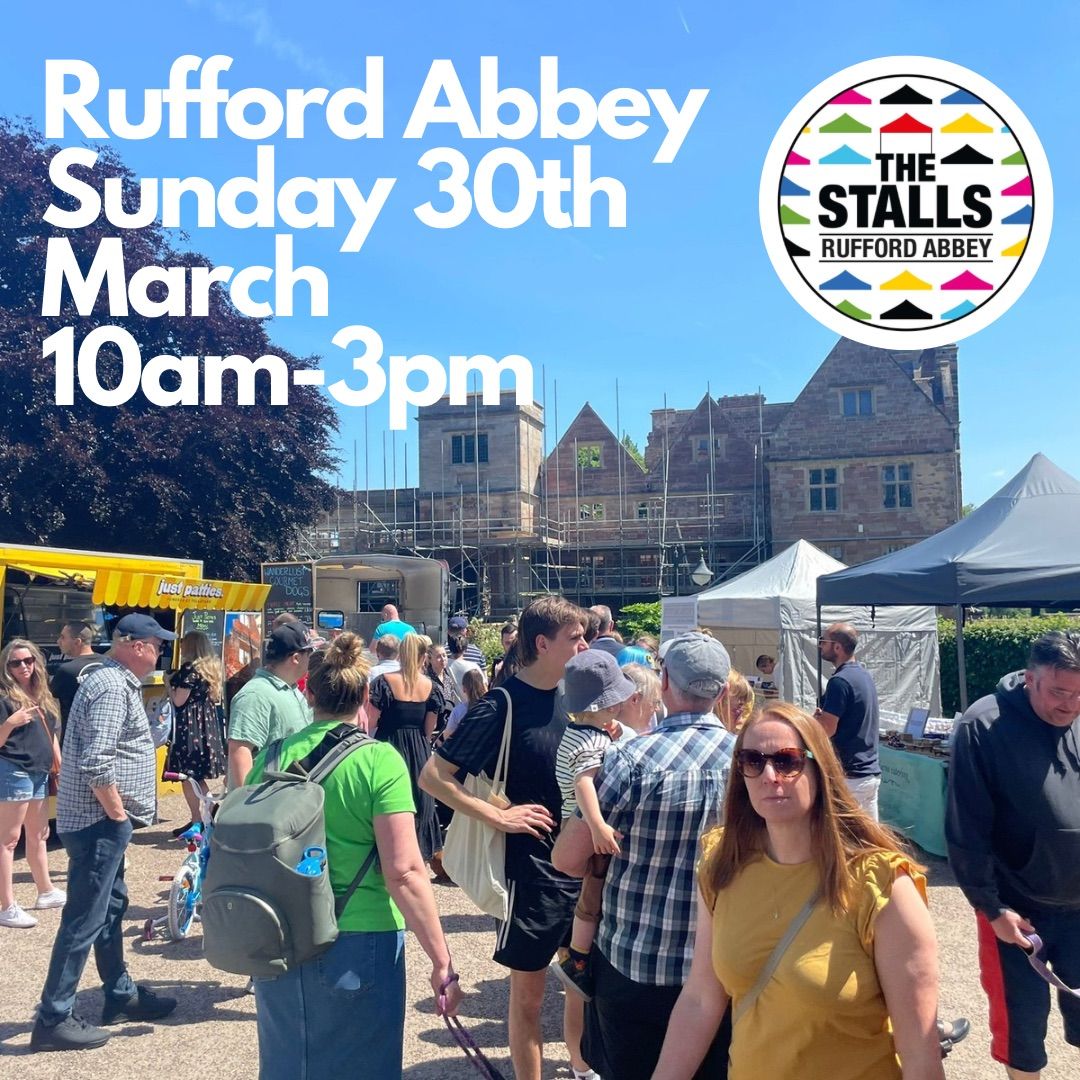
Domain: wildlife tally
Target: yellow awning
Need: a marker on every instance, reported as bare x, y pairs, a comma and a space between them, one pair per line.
62, 562
135, 580
126, 589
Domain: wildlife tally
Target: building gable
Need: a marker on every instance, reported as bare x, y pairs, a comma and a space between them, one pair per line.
862, 400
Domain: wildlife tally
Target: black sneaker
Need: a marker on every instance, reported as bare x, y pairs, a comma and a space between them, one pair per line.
142, 1005
72, 1033
575, 975
956, 1031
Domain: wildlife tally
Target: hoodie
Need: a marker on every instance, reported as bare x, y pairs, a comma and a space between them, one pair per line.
1013, 818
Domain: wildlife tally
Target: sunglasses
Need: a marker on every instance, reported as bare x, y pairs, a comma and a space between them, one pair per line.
787, 763
25, 661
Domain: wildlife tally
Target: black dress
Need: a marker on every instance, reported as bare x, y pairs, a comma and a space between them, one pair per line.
401, 723
198, 743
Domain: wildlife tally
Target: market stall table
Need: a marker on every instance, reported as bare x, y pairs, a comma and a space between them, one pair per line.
912, 797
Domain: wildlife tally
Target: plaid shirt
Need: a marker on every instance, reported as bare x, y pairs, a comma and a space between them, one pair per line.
107, 741
661, 790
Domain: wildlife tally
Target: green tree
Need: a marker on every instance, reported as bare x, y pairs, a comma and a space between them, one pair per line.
229, 484
637, 619
632, 449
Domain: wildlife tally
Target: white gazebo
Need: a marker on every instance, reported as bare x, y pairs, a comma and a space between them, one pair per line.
773, 609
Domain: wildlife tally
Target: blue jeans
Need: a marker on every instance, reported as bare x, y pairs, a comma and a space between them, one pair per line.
341, 1014
92, 917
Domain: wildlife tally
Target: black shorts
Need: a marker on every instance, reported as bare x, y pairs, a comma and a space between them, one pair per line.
626, 1023
540, 919
1019, 998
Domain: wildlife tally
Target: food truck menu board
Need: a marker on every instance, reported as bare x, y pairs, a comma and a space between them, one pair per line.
292, 589
210, 623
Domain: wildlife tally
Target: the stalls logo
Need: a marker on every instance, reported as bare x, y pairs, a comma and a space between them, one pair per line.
906, 202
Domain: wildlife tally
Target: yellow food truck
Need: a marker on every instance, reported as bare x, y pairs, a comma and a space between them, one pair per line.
44, 588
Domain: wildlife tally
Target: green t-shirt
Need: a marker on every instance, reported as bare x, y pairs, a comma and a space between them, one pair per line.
372, 780
266, 708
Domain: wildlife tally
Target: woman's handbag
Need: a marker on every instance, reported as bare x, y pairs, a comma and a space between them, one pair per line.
475, 853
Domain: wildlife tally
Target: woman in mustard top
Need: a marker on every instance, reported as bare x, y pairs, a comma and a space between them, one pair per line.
854, 996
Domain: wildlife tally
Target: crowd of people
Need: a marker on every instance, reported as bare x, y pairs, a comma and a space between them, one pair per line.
700, 864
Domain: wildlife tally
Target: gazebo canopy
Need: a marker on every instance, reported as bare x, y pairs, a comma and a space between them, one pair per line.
1018, 548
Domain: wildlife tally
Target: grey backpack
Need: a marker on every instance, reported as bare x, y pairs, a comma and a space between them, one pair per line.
260, 915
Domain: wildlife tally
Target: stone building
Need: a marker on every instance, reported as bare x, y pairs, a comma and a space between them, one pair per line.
866, 460
863, 461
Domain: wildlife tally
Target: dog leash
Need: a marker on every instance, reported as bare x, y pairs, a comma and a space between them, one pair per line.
464, 1039
1038, 959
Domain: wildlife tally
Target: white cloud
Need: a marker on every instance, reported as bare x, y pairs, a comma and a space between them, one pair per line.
257, 20
997, 474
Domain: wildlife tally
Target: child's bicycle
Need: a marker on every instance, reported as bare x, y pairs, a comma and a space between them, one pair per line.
185, 892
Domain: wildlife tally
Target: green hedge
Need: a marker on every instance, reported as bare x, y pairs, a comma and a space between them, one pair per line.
992, 648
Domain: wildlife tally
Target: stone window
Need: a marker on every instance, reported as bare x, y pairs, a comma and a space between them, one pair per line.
700, 446
469, 449
823, 489
591, 512
857, 402
643, 511
589, 456
898, 486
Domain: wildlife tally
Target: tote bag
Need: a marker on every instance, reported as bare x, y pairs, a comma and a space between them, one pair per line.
475, 853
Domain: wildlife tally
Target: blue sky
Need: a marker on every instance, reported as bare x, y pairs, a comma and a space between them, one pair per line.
681, 298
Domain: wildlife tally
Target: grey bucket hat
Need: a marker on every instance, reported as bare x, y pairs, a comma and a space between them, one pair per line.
594, 681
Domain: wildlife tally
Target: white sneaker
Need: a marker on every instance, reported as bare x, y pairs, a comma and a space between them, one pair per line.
16, 918
52, 898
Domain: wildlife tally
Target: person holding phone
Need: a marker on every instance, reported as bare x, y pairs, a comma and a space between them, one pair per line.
29, 751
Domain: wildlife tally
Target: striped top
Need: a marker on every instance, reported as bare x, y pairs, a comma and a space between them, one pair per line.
582, 747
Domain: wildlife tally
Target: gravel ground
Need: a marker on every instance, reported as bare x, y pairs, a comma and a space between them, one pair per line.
212, 1033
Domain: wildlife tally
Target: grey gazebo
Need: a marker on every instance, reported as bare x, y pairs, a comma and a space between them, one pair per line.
1019, 549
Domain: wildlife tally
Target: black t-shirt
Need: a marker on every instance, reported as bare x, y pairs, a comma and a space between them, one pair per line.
852, 696
27, 747
65, 680
535, 733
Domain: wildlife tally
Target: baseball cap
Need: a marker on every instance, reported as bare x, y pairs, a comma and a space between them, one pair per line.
287, 639
593, 682
458, 622
142, 626
697, 664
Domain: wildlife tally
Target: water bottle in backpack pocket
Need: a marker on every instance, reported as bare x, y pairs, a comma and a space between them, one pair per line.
268, 905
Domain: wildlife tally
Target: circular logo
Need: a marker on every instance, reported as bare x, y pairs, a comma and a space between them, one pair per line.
906, 202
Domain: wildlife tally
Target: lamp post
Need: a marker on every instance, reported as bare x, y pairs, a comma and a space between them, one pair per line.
701, 575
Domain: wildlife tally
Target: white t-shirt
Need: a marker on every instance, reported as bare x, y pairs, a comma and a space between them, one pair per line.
457, 669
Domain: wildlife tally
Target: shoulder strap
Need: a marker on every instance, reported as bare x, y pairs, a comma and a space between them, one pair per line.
502, 762
775, 957
342, 902
335, 747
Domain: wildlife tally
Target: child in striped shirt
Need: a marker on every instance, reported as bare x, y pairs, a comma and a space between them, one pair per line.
595, 691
